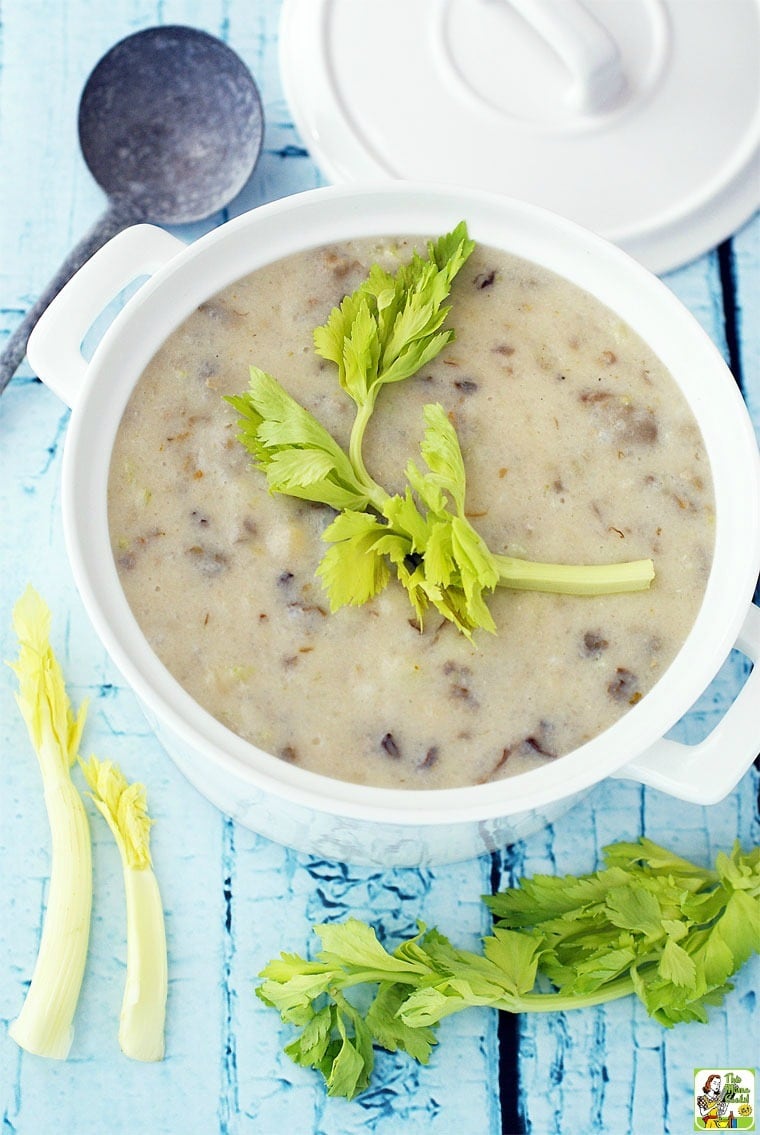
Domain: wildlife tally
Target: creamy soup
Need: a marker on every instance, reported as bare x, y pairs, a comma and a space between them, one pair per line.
579, 448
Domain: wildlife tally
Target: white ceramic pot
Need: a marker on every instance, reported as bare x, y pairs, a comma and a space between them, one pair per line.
314, 813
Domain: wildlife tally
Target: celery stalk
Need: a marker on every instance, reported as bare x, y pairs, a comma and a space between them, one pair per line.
141, 1029
143, 1010
45, 1024
569, 579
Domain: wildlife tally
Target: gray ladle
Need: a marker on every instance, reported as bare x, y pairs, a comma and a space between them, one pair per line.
171, 126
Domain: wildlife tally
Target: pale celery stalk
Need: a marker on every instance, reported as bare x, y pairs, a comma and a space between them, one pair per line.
45, 1024
143, 1009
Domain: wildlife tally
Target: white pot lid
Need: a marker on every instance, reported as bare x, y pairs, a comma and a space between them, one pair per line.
638, 119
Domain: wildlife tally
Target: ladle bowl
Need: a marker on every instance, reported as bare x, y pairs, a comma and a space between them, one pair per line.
171, 127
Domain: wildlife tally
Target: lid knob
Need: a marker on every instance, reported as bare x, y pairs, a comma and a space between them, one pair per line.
584, 46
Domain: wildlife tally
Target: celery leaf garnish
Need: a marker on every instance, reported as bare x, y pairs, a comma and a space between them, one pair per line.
391, 325
383, 333
297, 454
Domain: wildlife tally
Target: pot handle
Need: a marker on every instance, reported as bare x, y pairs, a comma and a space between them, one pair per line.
54, 350
706, 772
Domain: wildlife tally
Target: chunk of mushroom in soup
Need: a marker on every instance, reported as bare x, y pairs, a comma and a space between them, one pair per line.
579, 448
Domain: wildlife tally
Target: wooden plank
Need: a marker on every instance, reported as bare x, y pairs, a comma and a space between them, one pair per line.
277, 897
746, 248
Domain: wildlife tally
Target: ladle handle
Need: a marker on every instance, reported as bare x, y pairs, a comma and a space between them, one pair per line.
116, 218
55, 345
706, 772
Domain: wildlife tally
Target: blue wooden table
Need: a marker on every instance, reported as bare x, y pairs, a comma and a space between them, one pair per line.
232, 899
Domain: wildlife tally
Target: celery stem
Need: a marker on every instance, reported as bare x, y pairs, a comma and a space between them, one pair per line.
141, 1028
376, 494
558, 1002
568, 579
45, 1024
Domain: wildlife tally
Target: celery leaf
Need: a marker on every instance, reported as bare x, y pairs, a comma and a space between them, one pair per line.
624, 929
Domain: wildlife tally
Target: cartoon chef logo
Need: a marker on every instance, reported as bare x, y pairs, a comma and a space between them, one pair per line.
724, 1099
